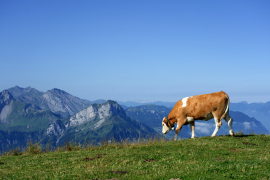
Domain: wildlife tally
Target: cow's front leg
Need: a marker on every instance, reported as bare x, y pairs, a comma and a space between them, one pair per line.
176, 134
192, 127
179, 127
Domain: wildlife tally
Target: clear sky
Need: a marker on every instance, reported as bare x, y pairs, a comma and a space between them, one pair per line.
137, 50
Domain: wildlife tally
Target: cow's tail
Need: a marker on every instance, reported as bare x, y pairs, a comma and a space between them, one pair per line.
227, 109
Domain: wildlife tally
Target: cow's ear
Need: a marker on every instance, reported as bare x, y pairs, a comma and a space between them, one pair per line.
163, 118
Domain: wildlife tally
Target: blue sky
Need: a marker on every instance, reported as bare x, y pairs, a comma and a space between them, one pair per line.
137, 50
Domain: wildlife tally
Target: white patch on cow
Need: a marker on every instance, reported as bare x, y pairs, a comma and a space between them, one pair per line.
184, 101
192, 131
190, 119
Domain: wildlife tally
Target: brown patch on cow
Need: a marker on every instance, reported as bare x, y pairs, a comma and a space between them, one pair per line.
150, 160
97, 156
1, 162
215, 104
250, 144
119, 172
234, 150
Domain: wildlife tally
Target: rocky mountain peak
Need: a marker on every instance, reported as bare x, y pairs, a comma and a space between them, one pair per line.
18, 87
27, 89
6, 100
57, 91
5, 97
100, 111
18, 91
115, 108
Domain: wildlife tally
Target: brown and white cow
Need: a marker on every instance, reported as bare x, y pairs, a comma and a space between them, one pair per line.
200, 107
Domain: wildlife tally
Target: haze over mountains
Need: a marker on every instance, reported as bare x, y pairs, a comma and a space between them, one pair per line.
57, 116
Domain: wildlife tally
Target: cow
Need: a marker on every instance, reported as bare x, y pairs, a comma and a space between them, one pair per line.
199, 107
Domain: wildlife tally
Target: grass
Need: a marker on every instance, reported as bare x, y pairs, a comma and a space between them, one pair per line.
222, 157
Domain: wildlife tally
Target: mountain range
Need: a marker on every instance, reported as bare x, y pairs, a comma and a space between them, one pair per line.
28, 119
56, 116
55, 100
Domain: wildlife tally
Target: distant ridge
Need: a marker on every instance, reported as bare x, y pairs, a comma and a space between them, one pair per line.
134, 104
55, 100
260, 111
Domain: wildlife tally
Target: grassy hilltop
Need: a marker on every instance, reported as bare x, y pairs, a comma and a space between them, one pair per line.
222, 157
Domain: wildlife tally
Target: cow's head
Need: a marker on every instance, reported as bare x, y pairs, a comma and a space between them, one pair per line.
166, 126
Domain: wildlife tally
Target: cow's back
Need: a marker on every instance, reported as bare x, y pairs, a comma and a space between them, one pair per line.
199, 106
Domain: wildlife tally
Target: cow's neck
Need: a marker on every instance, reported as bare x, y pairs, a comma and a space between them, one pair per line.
172, 120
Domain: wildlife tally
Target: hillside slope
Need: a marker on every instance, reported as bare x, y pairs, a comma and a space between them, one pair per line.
222, 157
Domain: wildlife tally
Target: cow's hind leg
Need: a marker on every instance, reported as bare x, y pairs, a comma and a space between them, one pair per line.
218, 124
192, 127
229, 121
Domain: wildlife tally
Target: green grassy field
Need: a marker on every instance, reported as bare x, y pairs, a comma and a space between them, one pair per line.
222, 157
